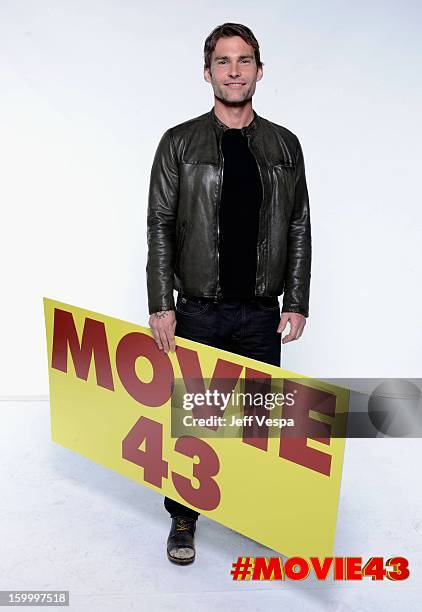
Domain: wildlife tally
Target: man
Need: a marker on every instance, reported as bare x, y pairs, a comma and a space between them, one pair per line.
228, 228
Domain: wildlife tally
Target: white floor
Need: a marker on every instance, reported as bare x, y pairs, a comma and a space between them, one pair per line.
67, 523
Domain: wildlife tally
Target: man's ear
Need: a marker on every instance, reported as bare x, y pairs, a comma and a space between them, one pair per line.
207, 75
259, 73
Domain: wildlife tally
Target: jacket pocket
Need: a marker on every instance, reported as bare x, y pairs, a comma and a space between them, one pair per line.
283, 177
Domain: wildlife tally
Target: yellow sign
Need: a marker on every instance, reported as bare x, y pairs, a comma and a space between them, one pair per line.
112, 396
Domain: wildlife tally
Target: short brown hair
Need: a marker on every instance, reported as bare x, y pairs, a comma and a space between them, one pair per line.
225, 31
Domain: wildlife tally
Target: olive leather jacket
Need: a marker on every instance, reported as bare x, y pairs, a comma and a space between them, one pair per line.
182, 220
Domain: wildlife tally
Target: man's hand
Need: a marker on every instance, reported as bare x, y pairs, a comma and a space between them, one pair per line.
297, 323
163, 325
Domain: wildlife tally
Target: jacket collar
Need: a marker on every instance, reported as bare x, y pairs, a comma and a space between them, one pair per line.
248, 129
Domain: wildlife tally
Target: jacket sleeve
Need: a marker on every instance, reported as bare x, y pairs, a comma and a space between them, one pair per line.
161, 223
299, 246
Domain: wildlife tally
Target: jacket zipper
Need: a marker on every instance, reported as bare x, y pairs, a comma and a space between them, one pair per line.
262, 202
218, 288
181, 241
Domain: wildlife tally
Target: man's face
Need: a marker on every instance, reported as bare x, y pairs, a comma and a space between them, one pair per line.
233, 73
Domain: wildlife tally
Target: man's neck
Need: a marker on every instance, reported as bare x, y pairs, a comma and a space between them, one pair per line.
234, 116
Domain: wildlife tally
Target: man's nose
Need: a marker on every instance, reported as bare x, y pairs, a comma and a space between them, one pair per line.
234, 71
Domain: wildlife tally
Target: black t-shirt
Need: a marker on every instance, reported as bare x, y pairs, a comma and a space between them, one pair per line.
241, 198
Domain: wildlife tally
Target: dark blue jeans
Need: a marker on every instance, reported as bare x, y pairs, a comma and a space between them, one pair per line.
248, 328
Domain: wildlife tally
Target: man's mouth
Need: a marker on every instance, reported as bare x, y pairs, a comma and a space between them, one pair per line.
234, 85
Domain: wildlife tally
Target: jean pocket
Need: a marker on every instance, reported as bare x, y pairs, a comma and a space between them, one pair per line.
191, 307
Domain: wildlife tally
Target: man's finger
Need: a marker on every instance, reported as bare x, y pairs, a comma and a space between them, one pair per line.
282, 324
157, 337
292, 333
155, 331
302, 327
287, 338
170, 336
164, 339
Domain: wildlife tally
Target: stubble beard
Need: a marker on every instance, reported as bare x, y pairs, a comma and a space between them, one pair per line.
221, 95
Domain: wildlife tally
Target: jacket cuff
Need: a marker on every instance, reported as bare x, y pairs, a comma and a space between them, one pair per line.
164, 305
298, 309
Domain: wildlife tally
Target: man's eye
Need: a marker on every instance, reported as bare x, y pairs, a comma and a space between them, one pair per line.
245, 61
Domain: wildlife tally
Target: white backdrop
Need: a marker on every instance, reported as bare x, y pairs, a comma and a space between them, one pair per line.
88, 88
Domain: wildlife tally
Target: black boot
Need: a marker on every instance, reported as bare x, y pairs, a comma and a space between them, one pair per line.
180, 543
